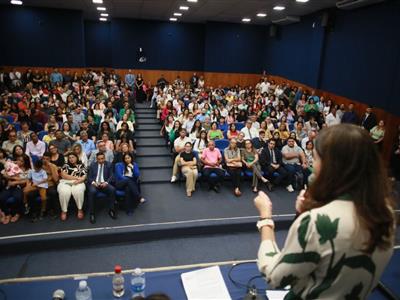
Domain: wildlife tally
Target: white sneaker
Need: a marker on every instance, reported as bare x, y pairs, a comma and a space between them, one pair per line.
173, 179
290, 188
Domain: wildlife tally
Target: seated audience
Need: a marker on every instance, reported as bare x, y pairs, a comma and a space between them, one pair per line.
378, 133
101, 147
250, 160
55, 157
295, 164
188, 163
271, 164
233, 161
214, 133
62, 143
72, 183
12, 141
36, 147
16, 179
248, 131
78, 150
179, 147
232, 131
100, 178
211, 159
201, 142
127, 179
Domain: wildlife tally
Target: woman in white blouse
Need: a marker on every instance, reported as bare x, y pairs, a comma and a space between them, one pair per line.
343, 238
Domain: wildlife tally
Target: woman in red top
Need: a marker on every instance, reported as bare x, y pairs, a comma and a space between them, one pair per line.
232, 131
166, 110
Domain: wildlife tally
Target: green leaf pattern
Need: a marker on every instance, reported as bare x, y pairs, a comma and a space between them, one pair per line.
327, 231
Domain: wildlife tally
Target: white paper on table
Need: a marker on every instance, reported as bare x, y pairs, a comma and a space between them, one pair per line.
204, 284
276, 295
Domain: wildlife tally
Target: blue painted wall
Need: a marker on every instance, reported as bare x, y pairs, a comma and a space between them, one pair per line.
362, 58
234, 47
295, 53
98, 44
167, 45
42, 37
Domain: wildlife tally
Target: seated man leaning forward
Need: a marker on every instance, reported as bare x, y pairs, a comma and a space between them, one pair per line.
179, 147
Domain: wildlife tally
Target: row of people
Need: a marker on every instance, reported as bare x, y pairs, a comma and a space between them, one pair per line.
24, 187
290, 166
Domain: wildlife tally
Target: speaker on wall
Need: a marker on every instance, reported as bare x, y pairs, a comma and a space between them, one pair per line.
328, 20
273, 31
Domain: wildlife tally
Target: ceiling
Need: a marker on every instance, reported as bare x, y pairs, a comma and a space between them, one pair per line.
200, 12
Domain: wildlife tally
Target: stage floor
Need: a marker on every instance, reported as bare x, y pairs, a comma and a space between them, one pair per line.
167, 203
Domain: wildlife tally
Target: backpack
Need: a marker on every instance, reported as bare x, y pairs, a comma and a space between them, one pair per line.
298, 181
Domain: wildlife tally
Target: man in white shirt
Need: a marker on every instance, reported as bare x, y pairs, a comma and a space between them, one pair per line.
179, 146
264, 86
294, 161
254, 122
188, 125
35, 147
332, 118
248, 131
312, 134
15, 78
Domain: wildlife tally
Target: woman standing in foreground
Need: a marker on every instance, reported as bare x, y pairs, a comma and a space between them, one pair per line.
340, 244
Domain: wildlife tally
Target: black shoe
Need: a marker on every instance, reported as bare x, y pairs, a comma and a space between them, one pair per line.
92, 218
34, 218
112, 214
216, 188
269, 186
42, 215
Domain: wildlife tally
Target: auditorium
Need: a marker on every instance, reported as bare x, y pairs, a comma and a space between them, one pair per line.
199, 149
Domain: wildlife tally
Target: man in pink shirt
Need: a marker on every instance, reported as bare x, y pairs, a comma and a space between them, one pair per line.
211, 158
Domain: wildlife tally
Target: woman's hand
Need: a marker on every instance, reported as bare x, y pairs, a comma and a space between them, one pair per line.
299, 201
263, 205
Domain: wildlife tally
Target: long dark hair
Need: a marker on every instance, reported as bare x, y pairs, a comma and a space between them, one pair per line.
132, 160
351, 166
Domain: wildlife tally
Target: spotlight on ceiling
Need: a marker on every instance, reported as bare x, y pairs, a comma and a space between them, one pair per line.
261, 15
279, 7
103, 19
16, 2
173, 19
101, 8
246, 20
184, 7
177, 14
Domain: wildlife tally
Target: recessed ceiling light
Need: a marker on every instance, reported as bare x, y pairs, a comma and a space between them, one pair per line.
302, 1
246, 20
184, 7
104, 15
173, 19
177, 14
194, 1
16, 2
103, 19
261, 15
98, 1
101, 8
279, 7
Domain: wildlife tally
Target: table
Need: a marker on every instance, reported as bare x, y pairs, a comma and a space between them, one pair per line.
168, 282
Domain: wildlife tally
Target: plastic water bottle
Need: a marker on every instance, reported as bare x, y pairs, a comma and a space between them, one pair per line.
118, 282
138, 283
83, 292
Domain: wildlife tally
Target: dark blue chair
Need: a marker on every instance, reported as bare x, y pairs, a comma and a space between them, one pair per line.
41, 134
239, 126
17, 126
222, 144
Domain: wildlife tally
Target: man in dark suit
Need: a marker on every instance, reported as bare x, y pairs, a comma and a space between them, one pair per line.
100, 177
271, 162
368, 120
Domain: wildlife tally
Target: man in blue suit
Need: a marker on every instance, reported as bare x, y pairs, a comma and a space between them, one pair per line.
100, 177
